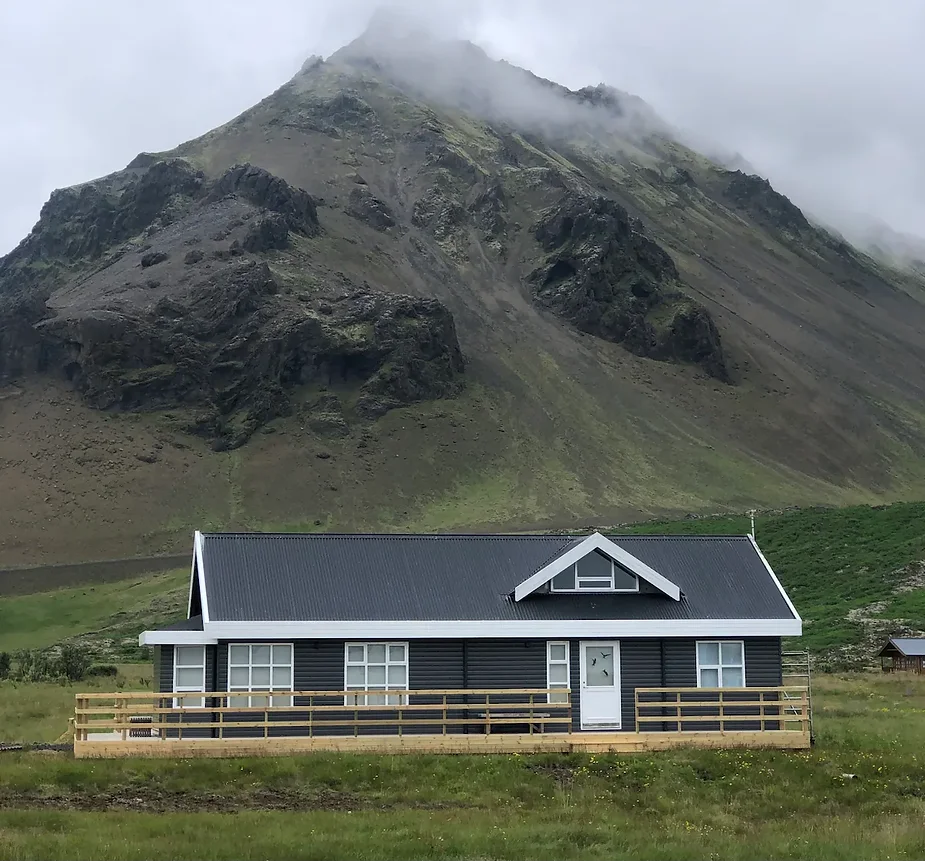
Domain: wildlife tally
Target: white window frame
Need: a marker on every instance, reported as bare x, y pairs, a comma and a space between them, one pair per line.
550, 662
359, 699
580, 588
720, 666
189, 702
251, 693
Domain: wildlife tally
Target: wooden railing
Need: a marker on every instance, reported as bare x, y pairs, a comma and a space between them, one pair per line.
723, 709
311, 713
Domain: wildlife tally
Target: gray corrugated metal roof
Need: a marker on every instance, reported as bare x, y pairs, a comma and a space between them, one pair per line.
323, 577
910, 646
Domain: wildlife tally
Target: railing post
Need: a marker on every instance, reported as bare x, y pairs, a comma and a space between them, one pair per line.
677, 705
636, 705
531, 713
722, 712
311, 705
445, 715
487, 714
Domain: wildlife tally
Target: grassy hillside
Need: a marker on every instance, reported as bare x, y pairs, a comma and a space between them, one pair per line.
835, 563
106, 617
856, 795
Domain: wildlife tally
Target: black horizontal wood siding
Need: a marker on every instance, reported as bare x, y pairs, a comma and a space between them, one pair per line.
163, 679
481, 664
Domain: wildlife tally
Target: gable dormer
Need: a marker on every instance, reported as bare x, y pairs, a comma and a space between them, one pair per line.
596, 565
595, 572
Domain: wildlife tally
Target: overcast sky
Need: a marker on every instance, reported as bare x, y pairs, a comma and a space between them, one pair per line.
822, 96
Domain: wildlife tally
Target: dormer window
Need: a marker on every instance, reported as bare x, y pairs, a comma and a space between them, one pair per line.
595, 572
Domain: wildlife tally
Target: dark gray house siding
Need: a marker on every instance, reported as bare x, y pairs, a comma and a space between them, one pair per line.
484, 664
163, 679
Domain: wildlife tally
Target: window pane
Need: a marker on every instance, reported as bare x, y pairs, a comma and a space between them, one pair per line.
558, 698
260, 655
599, 666
282, 654
623, 579
260, 677
375, 675
356, 676
595, 565
564, 580
375, 700
558, 674
190, 656
396, 700
191, 702
239, 654
732, 653
397, 653
558, 651
397, 675
709, 678
238, 702
281, 701
188, 677
259, 702
376, 653
239, 677
356, 654
282, 677
708, 653
732, 677
587, 583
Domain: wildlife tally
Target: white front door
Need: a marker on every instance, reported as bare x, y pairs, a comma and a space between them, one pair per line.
600, 684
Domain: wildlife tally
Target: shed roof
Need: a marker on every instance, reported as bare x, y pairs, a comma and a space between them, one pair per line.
910, 647
259, 577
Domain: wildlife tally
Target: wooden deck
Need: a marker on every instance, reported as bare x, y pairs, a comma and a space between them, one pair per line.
433, 721
614, 742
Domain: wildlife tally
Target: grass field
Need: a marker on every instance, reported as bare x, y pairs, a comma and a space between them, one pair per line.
858, 794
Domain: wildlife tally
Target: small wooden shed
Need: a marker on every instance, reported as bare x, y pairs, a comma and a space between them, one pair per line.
903, 654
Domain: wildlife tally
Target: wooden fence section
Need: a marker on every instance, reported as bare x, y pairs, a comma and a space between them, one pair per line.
135, 715
724, 710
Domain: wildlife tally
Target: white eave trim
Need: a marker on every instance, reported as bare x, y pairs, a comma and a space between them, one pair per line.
203, 598
176, 638
777, 583
609, 548
552, 629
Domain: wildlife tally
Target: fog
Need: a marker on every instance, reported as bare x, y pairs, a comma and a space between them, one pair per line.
822, 97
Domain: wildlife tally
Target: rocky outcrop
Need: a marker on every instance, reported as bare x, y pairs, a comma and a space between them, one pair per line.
266, 191
756, 196
606, 276
363, 205
232, 348
188, 315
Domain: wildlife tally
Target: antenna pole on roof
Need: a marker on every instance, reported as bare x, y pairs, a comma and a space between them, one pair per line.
751, 514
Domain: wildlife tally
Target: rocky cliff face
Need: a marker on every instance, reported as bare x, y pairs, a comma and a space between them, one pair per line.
162, 296
605, 275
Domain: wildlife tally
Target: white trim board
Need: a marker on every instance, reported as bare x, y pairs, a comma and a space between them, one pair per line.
608, 548
552, 629
176, 638
777, 582
203, 598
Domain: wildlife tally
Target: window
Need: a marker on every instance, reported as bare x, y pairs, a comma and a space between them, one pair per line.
720, 664
376, 667
189, 674
595, 573
260, 667
557, 669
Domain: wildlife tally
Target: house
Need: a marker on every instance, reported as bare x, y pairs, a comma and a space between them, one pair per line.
903, 653
517, 634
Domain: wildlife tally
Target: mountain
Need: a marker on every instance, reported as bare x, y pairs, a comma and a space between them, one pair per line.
419, 288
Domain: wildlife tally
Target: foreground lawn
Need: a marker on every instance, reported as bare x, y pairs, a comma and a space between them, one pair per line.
860, 793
